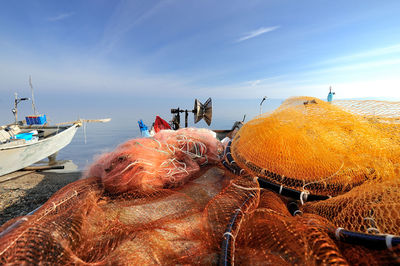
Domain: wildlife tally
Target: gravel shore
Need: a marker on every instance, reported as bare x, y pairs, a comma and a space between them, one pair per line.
23, 191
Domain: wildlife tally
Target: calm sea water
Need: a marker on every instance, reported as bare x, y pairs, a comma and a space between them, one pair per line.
95, 139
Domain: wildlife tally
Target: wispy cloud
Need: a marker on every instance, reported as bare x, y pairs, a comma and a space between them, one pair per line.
379, 52
373, 78
256, 33
61, 16
125, 17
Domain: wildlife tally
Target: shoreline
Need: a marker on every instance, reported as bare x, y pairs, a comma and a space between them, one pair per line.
22, 192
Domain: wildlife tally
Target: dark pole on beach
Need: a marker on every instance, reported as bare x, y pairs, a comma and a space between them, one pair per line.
265, 97
186, 118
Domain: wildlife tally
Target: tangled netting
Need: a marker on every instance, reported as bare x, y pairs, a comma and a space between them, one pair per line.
168, 159
169, 200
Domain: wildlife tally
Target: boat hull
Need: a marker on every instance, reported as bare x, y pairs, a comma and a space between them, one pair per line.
18, 157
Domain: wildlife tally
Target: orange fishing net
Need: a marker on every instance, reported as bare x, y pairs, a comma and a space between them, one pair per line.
168, 200
348, 150
310, 145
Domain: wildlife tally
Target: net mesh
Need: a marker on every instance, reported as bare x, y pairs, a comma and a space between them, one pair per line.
348, 151
311, 145
169, 200
373, 208
373, 109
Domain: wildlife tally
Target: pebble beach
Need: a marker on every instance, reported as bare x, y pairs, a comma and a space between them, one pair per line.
23, 191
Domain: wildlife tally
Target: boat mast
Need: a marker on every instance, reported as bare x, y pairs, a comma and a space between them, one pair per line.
33, 97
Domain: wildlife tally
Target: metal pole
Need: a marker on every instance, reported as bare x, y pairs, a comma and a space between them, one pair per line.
16, 108
186, 118
265, 97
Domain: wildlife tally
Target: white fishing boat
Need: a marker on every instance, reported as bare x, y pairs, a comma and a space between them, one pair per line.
18, 151
24, 143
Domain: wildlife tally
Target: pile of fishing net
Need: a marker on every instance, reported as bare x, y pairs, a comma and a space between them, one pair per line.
309, 183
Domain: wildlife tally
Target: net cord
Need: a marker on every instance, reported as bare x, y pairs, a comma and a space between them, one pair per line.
304, 196
228, 240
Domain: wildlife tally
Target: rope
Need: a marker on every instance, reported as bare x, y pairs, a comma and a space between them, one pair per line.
337, 232
244, 188
369, 240
224, 258
373, 230
388, 241
297, 212
304, 196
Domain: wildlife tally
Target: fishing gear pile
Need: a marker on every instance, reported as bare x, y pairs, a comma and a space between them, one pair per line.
308, 183
168, 159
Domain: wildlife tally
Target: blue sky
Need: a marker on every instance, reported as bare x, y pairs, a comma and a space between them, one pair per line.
186, 49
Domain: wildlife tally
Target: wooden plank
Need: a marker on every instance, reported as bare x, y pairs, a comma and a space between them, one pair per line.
43, 167
80, 121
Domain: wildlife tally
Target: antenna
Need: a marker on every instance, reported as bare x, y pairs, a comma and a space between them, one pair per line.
33, 98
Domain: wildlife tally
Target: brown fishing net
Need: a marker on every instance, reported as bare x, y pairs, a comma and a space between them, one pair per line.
168, 200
